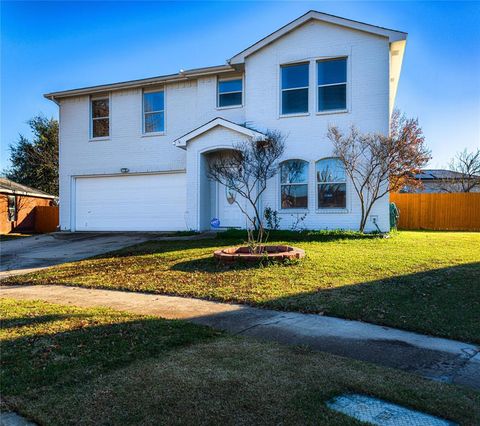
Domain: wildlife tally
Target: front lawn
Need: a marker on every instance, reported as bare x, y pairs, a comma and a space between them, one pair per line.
65, 365
13, 236
422, 281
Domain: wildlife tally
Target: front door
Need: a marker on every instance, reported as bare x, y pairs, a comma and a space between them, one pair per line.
228, 211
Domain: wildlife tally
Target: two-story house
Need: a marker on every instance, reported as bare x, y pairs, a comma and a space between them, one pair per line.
134, 155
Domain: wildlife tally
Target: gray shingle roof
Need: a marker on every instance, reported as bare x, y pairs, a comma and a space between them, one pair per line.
438, 174
8, 186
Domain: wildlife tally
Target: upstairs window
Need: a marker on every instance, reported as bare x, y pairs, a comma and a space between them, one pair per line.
154, 112
331, 184
230, 93
100, 110
294, 184
332, 84
294, 87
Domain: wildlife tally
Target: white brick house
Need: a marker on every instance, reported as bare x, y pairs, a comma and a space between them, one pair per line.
133, 155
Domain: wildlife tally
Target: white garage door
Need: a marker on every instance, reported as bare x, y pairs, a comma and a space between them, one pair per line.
131, 203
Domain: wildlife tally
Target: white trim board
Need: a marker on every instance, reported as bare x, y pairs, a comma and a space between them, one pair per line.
183, 140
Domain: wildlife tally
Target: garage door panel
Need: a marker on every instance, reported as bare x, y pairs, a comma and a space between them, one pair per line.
131, 203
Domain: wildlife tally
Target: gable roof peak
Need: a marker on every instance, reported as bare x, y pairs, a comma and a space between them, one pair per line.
392, 35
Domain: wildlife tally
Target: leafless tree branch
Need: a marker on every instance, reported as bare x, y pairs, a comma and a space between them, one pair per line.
467, 165
246, 170
377, 164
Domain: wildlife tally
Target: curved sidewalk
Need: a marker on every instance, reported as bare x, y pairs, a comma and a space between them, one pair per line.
434, 358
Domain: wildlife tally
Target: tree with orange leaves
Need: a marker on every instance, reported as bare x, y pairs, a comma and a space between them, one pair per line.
377, 164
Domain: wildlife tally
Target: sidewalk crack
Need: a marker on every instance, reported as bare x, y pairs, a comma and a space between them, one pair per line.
259, 324
468, 354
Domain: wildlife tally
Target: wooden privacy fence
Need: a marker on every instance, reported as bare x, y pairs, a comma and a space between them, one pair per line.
438, 211
46, 219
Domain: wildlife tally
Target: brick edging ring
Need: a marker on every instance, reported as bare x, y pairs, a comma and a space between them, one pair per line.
242, 254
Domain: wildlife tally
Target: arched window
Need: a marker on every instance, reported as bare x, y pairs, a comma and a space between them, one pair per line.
331, 184
294, 184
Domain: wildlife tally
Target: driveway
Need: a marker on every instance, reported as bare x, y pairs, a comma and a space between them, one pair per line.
32, 253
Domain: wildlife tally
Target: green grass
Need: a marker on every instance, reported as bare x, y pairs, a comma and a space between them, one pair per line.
10, 237
423, 281
70, 366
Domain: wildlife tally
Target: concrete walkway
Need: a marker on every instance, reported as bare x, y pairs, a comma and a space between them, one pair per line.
435, 358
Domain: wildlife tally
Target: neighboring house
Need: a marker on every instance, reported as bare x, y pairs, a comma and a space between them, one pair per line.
441, 180
134, 155
17, 206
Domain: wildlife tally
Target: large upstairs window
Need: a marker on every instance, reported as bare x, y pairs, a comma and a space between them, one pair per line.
332, 84
154, 112
100, 117
294, 89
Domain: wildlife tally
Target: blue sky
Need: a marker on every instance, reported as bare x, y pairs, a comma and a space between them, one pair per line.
49, 46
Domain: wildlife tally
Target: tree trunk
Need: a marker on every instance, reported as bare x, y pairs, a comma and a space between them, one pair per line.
363, 219
362, 224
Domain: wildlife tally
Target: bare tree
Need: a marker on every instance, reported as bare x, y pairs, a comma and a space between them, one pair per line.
246, 170
377, 164
467, 177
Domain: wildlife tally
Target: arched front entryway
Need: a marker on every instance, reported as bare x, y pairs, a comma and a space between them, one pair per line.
219, 202
207, 200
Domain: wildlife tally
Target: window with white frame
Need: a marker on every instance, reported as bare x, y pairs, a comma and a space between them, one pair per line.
294, 184
154, 112
294, 88
331, 184
100, 117
230, 93
12, 208
332, 84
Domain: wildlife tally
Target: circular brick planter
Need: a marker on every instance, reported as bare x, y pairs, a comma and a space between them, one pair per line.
272, 253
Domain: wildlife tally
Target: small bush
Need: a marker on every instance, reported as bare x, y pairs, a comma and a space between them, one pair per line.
304, 235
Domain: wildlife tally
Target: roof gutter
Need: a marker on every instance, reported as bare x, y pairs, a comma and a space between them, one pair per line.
27, 194
171, 78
